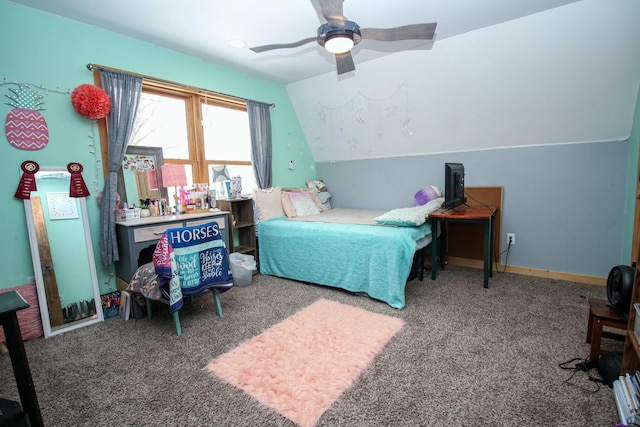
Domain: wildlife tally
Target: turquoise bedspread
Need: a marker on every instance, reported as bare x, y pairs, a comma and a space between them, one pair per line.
359, 258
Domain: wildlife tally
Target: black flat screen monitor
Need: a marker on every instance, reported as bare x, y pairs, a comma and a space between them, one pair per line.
453, 185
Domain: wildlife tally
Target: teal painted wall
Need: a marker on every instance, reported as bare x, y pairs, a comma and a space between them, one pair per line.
634, 149
51, 53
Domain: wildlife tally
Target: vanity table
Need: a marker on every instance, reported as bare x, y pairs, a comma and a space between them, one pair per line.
139, 236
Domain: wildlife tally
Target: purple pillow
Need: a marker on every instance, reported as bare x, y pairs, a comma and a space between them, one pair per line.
427, 194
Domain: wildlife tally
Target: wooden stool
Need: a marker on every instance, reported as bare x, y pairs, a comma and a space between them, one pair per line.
601, 314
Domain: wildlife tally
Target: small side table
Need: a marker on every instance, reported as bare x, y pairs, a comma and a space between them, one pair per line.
10, 303
600, 314
471, 214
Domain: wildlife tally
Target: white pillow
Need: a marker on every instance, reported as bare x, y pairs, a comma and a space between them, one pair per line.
303, 203
268, 203
410, 217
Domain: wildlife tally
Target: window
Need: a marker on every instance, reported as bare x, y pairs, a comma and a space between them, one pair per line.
198, 130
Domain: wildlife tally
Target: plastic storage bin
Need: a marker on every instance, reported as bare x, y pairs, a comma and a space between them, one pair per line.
242, 268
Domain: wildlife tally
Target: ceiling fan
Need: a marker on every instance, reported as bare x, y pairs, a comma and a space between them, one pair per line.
339, 35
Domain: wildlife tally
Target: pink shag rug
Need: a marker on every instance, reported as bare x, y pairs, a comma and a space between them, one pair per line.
300, 366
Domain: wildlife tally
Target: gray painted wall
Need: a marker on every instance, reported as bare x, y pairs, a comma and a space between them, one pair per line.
558, 199
498, 87
548, 117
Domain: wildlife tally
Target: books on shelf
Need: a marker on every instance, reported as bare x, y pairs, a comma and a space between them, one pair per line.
125, 305
626, 390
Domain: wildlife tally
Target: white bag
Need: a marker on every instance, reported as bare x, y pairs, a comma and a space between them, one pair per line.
242, 268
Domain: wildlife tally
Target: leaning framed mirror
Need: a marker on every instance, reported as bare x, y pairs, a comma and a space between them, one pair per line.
139, 177
62, 254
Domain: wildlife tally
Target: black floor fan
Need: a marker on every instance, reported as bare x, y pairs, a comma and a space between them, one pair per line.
619, 288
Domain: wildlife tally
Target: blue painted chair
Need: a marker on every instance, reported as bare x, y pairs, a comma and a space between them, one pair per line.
176, 316
187, 262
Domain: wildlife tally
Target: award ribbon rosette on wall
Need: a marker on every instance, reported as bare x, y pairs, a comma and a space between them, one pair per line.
77, 187
28, 180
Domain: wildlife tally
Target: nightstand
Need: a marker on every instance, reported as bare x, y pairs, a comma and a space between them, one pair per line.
242, 225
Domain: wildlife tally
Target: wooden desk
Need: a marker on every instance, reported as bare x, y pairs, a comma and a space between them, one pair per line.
469, 214
138, 235
10, 303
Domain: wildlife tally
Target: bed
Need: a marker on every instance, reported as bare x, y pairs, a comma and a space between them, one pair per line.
345, 248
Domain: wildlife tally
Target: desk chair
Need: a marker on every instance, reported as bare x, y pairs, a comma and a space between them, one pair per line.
176, 316
600, 315
188, 261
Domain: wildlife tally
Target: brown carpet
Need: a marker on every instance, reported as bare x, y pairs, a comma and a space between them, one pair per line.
466, 356
300, 366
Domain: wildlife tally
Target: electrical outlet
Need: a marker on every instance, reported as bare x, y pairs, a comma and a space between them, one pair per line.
511, 238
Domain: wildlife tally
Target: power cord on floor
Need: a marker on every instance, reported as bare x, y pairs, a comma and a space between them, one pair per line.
582, 365
506, 259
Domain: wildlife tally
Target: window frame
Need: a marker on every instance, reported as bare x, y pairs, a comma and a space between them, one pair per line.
194, 98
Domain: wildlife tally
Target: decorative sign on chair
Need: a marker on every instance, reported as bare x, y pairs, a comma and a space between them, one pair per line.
193, 258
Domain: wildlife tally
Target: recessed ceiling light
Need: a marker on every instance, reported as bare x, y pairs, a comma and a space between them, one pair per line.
237, 43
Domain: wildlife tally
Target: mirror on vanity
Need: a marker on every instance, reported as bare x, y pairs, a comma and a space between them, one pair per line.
62, 254
140, 177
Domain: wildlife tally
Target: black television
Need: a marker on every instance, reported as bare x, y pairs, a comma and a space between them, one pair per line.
453, 185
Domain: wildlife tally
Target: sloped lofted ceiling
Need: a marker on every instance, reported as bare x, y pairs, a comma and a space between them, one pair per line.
203, 28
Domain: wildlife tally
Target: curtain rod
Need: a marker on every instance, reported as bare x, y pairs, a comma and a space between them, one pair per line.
92, 67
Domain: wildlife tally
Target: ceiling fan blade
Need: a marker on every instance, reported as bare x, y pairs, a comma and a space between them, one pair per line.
344, 62
331, 10
264, 48
407, 32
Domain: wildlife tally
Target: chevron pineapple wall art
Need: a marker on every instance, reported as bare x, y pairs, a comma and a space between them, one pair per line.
25, 126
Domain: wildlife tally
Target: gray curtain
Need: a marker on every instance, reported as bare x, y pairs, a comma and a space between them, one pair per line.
260, 126
124, 90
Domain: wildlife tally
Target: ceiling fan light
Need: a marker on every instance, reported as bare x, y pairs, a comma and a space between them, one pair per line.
238, 44
339, 43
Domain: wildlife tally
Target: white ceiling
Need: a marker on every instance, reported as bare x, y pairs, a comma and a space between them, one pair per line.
203, 28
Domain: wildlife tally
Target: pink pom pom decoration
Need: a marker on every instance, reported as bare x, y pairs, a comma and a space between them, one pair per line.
425, 195
91, 101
